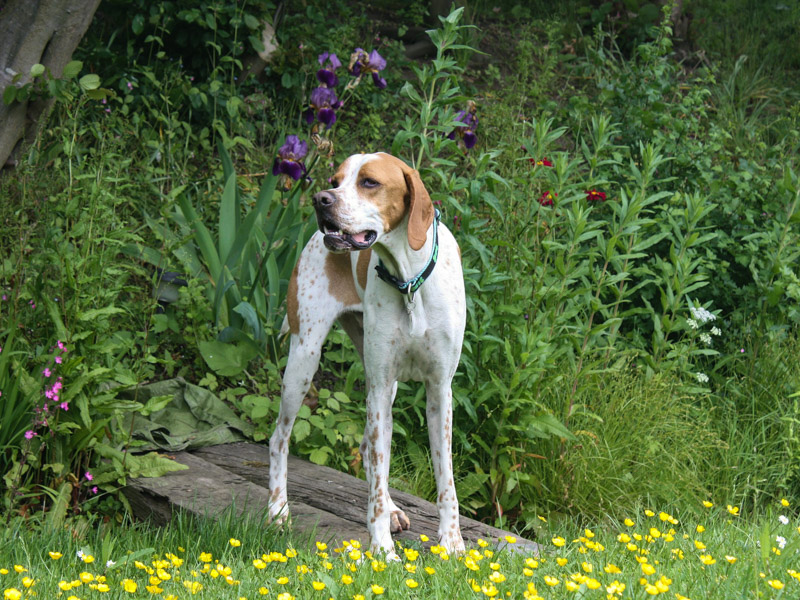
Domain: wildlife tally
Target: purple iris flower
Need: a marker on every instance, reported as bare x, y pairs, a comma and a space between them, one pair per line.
466, 131
290, 158
361, 62
323, 104
327, 74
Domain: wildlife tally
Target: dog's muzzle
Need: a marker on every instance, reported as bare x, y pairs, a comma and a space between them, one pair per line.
335, 238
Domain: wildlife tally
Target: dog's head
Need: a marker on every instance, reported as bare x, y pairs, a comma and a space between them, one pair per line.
371, 195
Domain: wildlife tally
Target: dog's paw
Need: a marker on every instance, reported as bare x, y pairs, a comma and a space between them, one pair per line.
453, 543
279, 517
399, 521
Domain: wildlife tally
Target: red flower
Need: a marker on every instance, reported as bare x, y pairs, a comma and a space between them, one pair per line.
594, 195
542, 162
546, 199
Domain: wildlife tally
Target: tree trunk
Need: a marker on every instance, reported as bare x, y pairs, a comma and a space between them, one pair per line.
31, 32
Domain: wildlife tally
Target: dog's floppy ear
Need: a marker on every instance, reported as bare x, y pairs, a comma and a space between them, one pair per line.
420, 210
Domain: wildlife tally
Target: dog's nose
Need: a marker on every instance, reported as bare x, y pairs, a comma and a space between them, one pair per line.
324, 199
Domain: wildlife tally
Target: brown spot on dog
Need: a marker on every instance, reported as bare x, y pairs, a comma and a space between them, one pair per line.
340, 279
291, 302
362, 267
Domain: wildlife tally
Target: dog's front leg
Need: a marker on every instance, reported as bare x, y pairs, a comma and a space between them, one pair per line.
378, 434
440, 429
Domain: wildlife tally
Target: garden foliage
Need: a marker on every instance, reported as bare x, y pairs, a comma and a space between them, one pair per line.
629, 230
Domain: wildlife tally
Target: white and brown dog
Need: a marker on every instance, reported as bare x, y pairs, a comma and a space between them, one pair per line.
378, 241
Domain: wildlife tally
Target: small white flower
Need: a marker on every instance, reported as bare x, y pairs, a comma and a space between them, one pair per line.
715, 331
692, 323
701, 314
79, 554
784, 519
110, 563
781, 541
701, 377
705, 338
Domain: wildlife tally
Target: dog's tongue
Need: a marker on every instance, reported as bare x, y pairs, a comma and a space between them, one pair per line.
359, 238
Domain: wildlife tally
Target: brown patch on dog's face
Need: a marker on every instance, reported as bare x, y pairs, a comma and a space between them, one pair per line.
382, 182
340, 279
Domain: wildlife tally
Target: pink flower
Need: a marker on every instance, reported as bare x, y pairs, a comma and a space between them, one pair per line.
58, 360
29, 434
64, 406
94, 489
88, 476
46, 372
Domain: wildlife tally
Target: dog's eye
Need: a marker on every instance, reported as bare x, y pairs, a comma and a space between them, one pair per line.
369, 183
335, 183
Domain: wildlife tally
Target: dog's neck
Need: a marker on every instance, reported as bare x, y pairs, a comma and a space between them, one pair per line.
398, 257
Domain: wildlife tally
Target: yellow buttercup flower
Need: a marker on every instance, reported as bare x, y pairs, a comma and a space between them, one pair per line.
55, 555
707, 504
318, 585
776, 584
784, 502
12, 594
129, 586
411, 583
234, 542
561, 561
376, 589
629, 522
551, 581
734, 510
559, 541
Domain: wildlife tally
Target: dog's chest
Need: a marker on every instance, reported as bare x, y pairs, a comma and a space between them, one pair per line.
391, 347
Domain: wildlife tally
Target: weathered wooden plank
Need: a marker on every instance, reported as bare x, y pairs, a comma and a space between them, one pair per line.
206, 489
344, 495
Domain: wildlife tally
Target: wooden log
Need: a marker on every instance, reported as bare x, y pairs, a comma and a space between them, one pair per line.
346, 496
207, 490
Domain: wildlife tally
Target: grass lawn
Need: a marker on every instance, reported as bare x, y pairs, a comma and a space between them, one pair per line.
709, 553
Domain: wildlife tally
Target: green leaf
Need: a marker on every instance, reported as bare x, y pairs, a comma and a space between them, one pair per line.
151, 465
155, 404
248, 313
251, 22
319, 456
302, 429
37, 70
89, 82
9, 94
224, 359
137, 25
72, 69
58, 509
228, 218
94, 314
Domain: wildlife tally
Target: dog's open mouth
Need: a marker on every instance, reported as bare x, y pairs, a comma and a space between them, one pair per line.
336, 239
